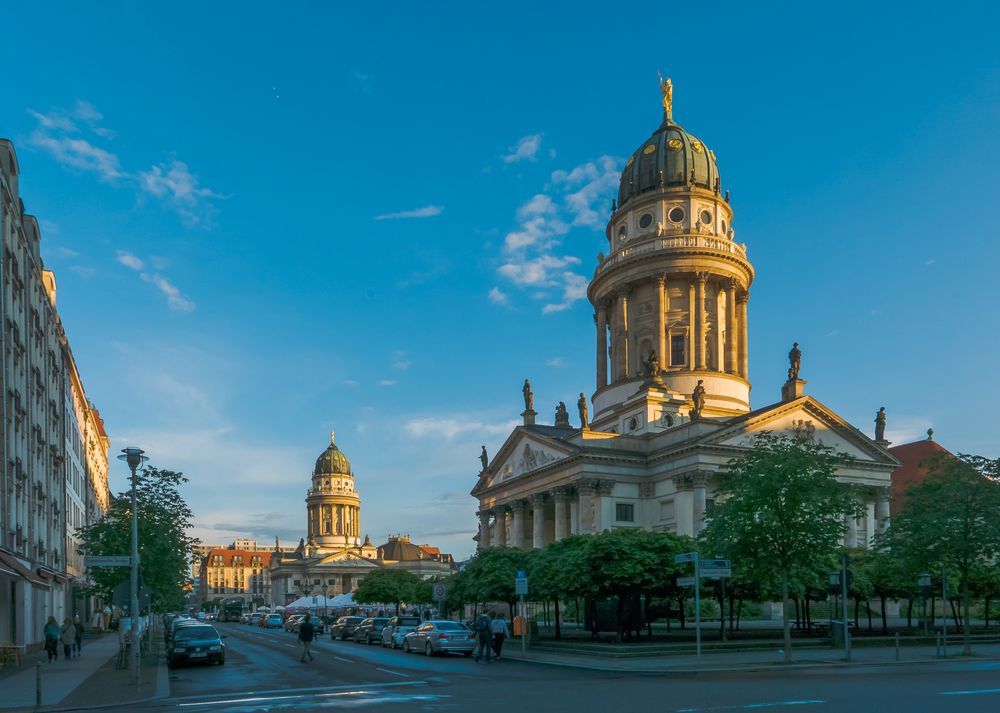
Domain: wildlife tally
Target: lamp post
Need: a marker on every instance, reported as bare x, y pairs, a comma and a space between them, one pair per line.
133, 456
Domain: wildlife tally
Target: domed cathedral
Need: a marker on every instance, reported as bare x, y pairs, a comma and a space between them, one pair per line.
333, 558
670, 298
671, 406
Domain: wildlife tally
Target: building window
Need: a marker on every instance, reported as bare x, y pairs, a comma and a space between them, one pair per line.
624, 512
677, 350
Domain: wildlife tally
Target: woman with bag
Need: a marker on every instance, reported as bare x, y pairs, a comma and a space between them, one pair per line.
68, 637
52, 634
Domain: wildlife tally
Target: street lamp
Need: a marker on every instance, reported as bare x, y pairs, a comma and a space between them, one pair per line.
133, 456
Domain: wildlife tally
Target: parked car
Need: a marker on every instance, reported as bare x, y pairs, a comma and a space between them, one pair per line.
176, 624
435, 637
255, 618
245, 617
272, 621
370, 629
199, 643
344, 628
396, 628
292, 622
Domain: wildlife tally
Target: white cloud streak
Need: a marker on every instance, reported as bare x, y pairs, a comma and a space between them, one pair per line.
130, 261
452, 427
428, 211
526, 149
175, 300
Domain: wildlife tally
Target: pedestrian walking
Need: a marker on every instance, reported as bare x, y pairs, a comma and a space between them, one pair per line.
78, 642
483, 636
499, 628
68, 637
52, 633
306, 634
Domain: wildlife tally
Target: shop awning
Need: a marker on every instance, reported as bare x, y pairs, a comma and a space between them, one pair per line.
11, 563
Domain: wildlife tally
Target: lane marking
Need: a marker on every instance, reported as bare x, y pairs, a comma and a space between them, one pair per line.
394, 673
751, 706
287, 691
341, 658
970, 693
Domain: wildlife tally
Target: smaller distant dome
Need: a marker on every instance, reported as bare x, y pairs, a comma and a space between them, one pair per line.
332, 461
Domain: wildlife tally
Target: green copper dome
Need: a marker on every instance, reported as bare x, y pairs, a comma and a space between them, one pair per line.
670, 159
332, 461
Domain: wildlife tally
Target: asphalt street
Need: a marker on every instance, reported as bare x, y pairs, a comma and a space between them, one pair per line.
263, 673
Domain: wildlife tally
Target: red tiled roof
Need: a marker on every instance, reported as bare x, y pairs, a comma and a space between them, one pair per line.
912, 472
434, 551
228, 555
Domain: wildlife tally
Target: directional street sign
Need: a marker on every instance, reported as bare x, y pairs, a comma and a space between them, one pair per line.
440, 592
109, 561
717, 573
686, 557
686, 581
715, 564
521, 585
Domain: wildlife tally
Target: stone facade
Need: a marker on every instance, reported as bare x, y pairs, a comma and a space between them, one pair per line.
670, 308
54, 449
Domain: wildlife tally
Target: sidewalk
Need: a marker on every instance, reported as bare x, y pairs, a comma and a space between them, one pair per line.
762, 660
59, 678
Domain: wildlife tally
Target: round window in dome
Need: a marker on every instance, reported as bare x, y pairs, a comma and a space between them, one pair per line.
676, 214
646, 220
706, 218
724, 226
622, 232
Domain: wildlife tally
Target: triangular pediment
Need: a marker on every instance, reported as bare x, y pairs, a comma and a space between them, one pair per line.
804, 418
527, 450
344, 557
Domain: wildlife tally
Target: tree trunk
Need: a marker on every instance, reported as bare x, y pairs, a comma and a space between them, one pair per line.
965, 616
558, 626
669, 617
868, 608
732, 614
807, 605
739, 612
954, 614
798, 620
786, 629
933, 610
909, 613
885, 623
857, 604
987, 612
680, 612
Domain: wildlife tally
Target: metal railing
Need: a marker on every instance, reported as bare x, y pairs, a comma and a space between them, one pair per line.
678, 242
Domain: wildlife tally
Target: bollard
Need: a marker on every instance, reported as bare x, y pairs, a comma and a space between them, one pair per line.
897, 646
38, 684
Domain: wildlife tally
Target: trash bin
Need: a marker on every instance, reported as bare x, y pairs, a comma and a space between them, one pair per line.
837, 633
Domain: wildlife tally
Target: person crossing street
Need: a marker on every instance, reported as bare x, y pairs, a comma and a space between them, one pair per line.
306, 634
484, 636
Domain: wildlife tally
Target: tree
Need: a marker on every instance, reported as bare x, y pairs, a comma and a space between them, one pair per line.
489, 575
388, 586
781, 502
949, 522
164, 545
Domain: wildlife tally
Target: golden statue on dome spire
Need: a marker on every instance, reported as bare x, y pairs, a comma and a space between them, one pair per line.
331, 437
667, 89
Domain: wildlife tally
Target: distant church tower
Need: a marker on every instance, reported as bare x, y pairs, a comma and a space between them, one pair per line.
333, 505
675, 283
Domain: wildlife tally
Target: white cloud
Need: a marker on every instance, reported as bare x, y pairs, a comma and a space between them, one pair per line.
86, 111
449, 428
593, 182
175, 300
574, 289
351, 382
536, 271
497, 297
428, 211
400, 361
175, 183
526, 149
67, 252
78, 154
387, 382
129, 260
557, 362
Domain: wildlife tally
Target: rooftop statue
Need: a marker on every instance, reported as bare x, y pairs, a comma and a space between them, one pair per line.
581, 406
529, 398
794, 361
880, 424
562, 415
484, 459
698, 401
667, 89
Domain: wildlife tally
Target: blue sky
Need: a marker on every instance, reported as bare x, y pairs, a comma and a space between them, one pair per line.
268, 224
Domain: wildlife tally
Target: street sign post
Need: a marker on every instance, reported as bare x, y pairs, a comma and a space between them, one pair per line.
95, 562
716, 564
521, 590
717, 573
521, 586
693, 557
686, 581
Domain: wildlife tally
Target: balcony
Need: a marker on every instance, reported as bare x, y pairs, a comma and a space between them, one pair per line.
679, 242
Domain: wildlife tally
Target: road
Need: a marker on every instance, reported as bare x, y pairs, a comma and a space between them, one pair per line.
263, 673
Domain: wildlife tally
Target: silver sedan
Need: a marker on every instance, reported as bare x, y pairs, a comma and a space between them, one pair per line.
434, 637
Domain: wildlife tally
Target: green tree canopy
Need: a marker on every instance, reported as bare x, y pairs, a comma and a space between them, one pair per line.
781, 504
949, 522
388, 586
164, 545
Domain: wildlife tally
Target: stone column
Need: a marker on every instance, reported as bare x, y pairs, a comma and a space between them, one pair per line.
585, 495
689, 355
574, 516
741, 301
501, 533
661, 326
561, 499
684, 504
602, 490
732, 353
517, 507
484, 529
699, 481
601, 316
701, 331
538, 521
882, 508
623, 302
851, 536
